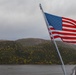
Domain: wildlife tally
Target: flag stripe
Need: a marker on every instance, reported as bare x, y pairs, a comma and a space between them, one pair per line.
69, 26
69, 19
70, 38
65, 37
72, 42
69, 30
63, 33
67, 22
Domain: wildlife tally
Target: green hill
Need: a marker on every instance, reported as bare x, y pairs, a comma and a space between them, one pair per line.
9, 52
31, 41
35, 51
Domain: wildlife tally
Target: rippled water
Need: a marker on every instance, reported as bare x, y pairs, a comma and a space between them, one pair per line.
34, 69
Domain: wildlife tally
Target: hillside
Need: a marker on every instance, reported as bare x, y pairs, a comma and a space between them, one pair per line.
35, 51
45, 53
31, 41
36, 41
9, 52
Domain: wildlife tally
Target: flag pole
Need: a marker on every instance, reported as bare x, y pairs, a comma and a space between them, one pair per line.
63, 67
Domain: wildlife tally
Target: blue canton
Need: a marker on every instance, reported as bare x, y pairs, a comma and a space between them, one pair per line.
54, 21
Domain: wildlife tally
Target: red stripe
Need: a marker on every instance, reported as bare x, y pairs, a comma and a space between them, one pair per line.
64, 29
69, 19
63, 33
55, 37
69, 26
73, 42
69, 38
51, 28
68, 30
67, 22
64, 37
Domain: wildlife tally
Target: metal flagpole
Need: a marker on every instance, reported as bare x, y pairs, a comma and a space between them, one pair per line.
63, 67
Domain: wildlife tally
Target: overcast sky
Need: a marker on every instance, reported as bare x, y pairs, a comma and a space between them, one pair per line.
23, 18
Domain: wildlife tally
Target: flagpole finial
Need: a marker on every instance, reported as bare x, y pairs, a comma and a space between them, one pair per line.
41, 7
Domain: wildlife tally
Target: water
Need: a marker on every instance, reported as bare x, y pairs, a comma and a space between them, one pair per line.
34, 69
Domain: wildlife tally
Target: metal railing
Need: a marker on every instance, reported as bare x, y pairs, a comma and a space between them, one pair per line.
74, 71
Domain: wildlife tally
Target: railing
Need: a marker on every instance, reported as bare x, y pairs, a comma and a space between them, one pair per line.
74, 71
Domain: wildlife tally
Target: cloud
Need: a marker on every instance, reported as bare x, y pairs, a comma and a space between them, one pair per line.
23, 18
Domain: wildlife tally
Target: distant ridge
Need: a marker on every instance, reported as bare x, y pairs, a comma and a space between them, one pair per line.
37, 41
31, 41
35, 51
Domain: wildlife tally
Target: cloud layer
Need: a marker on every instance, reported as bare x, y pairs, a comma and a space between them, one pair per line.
23, 18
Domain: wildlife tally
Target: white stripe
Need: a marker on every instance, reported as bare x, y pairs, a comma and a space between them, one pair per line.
69, 28
69, 21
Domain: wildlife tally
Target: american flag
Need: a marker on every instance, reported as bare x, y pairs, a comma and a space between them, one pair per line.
61, 27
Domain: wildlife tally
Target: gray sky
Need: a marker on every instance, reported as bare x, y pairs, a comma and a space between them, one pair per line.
23, 18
